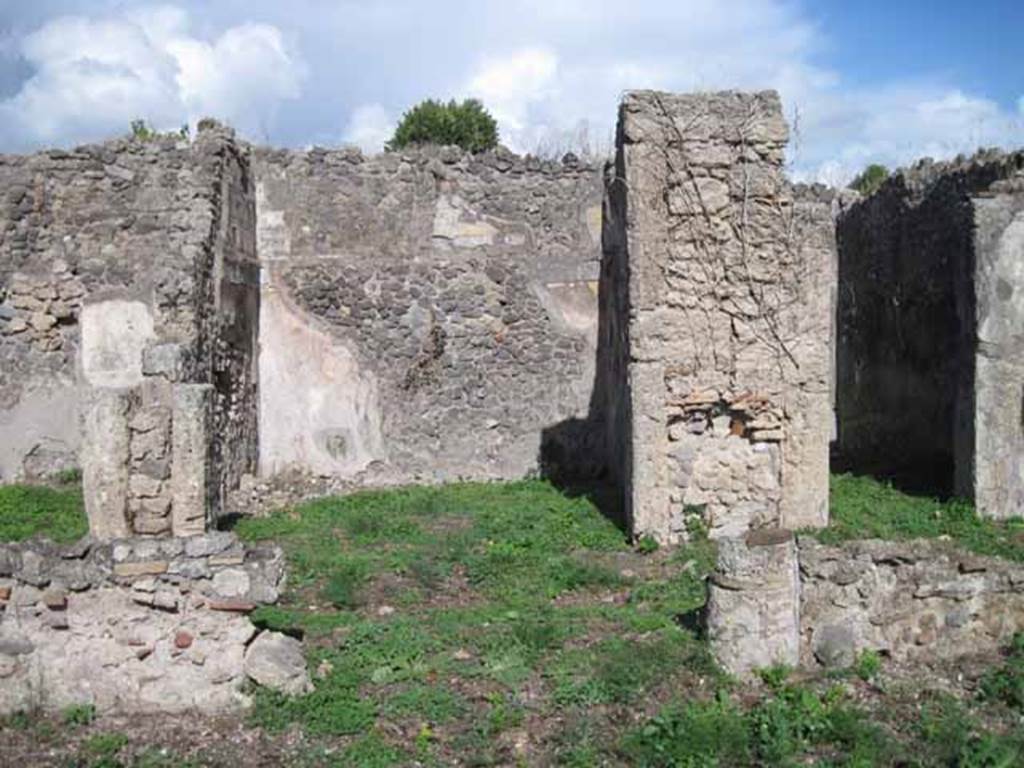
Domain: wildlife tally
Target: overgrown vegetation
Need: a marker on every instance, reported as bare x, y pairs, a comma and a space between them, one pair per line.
465, 124
870, 180
1005, 684
27, 511
862, 508
143, 131
802, 725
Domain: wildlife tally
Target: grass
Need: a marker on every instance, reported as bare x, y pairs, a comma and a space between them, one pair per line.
510, 624
56, 513
504, 601
864, 508
805, 725
519, 615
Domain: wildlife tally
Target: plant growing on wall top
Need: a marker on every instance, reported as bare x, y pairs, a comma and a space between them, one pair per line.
466, 124
870, 179
143, 131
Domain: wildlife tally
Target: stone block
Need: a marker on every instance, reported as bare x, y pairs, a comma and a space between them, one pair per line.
140, 569
191, 473
105, 461
114, 334
275, 661
163, 360
231, 582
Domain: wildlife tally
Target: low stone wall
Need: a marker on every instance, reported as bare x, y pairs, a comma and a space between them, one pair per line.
140, 625
908, 600
911, 600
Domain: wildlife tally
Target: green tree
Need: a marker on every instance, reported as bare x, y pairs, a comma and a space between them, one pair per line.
467, 125
870, 179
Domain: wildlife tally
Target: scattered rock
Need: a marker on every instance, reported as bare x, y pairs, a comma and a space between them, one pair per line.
182, 640
275, 660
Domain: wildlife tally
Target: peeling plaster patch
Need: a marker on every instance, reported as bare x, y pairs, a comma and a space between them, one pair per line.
318, 409
114, 333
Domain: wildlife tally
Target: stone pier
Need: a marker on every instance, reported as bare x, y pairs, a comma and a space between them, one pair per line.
721, 297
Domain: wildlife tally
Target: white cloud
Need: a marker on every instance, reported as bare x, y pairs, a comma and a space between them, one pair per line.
897, 125
93, 76
369, 127
542, 94
549, 70
510, 85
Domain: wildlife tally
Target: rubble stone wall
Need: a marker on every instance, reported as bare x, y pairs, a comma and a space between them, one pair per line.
728, 305
426, 314
128, 271
133, 625
928, 362
773, 599
909, 600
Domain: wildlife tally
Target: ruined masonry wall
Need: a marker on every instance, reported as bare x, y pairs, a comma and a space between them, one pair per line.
917, 600
134, 625
775, 600
727, 343
129, 297
426, 314
929, 360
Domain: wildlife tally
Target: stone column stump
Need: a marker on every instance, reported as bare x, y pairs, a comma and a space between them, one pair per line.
753, 609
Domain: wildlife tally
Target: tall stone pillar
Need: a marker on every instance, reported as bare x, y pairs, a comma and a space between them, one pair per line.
728, 321
753, 609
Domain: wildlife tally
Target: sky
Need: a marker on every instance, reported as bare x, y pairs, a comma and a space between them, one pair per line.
861, 82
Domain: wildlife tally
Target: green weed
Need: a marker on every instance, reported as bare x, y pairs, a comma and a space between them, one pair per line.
79, 714
868, 665
862, 508
1005, 684
102, 750
27, 511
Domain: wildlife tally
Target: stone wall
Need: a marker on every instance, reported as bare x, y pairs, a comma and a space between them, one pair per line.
929, 362
774, 600
426, 314
919, 600
726, 344
129, 299
137, 625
